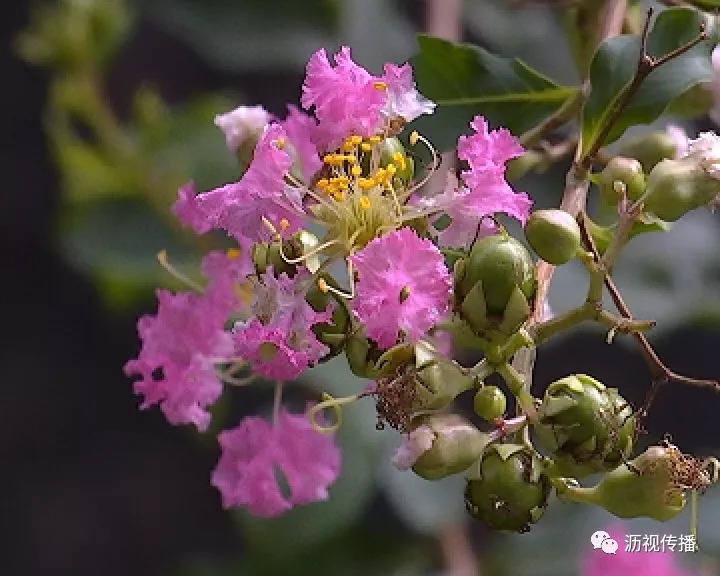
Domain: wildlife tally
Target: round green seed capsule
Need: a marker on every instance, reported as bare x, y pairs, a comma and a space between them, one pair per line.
554, 235
622, 176
490, 403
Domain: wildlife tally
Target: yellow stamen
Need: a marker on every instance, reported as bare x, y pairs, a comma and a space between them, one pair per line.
414, 137
284, 224
356, 170
377, 139
365, 203
233, 253
323, 286
356, 140
280, 143
391, 169
366, 183
366, 147
380, 86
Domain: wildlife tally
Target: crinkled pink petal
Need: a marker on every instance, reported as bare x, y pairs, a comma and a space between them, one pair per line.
346, 98
271, 351
226, 272
403, 99
180, 346
403, 285
302, 134
310, 460
486, 150
255, 451
262, 192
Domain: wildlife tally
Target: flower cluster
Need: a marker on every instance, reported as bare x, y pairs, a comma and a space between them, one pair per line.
272, 306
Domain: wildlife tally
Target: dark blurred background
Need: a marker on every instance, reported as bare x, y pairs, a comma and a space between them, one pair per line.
92, 486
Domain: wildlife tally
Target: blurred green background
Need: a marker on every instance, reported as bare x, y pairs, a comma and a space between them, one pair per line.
114, 113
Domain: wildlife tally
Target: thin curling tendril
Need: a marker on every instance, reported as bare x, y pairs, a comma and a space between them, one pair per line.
336, 405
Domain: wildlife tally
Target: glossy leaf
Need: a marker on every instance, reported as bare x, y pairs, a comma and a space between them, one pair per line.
466, 80
614, 65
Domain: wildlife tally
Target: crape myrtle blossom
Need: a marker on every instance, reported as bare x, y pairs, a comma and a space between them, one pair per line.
484, 190
256, 450
338, 166
403, 286
349, 100
181, 346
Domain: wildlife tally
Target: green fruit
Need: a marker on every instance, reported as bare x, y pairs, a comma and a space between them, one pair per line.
507, 489
554, 235
621, 175
501, 264
677, 186
490, 403
650, 149
587, 427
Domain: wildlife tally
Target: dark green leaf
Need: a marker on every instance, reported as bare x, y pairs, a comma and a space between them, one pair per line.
615, 63
466, 80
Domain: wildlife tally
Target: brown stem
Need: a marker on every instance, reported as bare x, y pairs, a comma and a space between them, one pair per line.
659, 371
646, 64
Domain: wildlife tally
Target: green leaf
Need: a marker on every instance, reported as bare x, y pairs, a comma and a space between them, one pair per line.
614, 65
466, 80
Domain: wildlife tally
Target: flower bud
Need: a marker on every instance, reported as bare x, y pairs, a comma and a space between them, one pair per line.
554, 235
587, 427
652, 485
650, 149
266, 254
677, 186
621, 176
454, 444
440, 380
494, 284
490, 403
506, 488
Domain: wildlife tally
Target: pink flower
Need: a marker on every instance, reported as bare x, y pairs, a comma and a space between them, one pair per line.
254, 452
183, 342
349, 100
275, 353
240, 207
302, 133
403, 285
485, 191
243, 124
226, 270
625, 563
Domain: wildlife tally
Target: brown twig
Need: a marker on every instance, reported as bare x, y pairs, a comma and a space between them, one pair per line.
660, 373
646, 64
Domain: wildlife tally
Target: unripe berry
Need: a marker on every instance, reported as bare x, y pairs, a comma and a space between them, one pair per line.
650, 149
621, 175
501, 263
677, 186
554, 235
507, 489
390, 148
490, 403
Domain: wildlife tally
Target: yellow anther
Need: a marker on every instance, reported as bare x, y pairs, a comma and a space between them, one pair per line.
380, 85
399, 159
348, 145
391, 169
351, 158
328, 158
366, 183
365, 203
380, 175
322, 285
356, 140
233, 253
339, 196
356, 170
414, 137
375, 139
323, 183
366, 147
280, 143
284, 224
